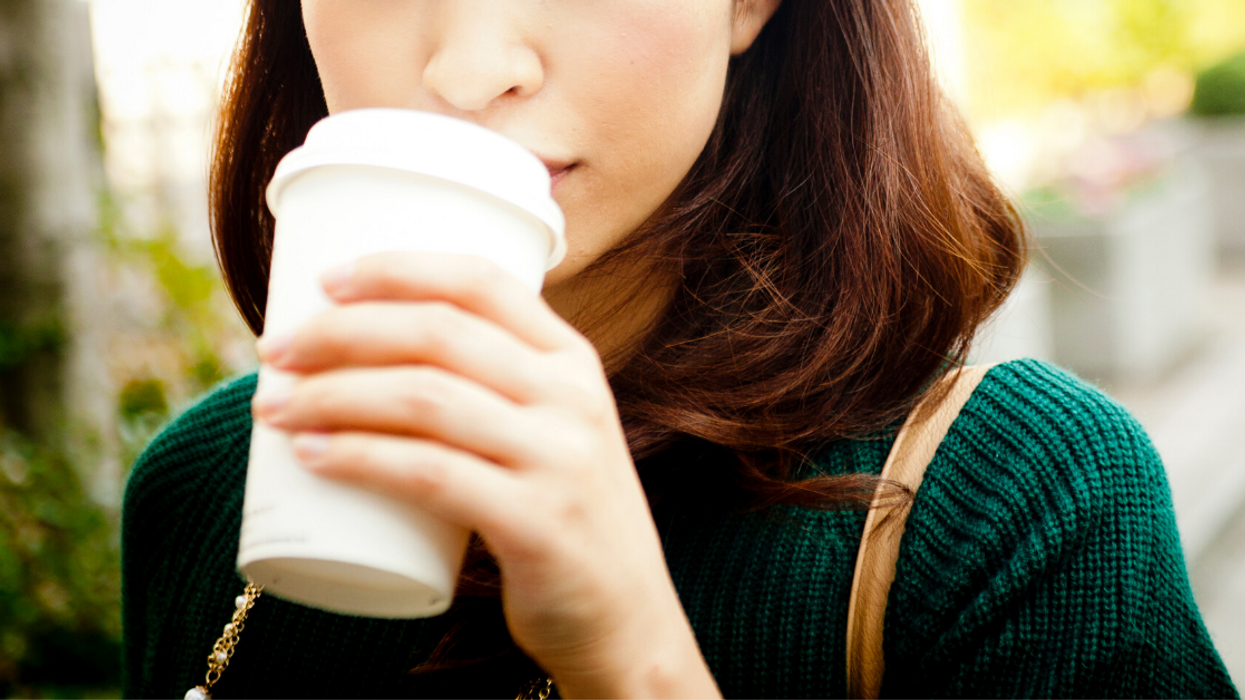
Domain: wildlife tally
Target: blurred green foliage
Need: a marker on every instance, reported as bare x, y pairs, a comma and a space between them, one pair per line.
142, 408
60, 624
1221, 89
1024, 54
60, 619
191, 321
188, 289
142, 397
19, 343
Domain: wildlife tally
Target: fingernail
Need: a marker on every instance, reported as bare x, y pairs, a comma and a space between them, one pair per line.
270, 402
272, 347
335, 279
310, 447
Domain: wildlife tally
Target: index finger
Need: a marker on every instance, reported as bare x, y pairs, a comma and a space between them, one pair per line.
467, 281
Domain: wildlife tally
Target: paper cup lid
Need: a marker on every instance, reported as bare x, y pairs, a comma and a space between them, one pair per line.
432, 145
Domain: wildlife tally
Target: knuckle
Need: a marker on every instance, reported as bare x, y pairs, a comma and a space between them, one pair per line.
580, 450
427, 474
585, 399
586, 405
329, 329
424, 393
569, 446
505, 518
582, 353
567, 510
384, 275
441, 327
380, 267
348, 455
314, 397
351, 454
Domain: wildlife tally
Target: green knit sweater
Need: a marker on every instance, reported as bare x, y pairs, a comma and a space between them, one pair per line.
1041, 559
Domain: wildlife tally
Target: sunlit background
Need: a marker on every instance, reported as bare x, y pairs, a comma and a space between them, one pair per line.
1118, 124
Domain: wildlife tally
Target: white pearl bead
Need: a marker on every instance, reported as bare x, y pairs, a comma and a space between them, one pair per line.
239, 601
221, 657
197, 693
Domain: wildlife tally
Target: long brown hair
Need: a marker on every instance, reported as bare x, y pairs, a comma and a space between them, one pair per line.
839, 241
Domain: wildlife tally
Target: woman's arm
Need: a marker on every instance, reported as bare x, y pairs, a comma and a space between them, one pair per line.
442, 381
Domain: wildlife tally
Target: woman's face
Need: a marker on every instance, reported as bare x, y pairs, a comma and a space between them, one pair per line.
618, 97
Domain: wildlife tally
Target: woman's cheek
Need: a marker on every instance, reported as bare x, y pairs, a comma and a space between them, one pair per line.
668, 57
651, 97
366, 53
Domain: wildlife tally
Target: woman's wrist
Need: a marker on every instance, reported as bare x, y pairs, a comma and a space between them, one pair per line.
665, 665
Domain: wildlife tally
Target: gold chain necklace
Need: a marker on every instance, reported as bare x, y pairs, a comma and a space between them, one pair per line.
222, 652
538, 689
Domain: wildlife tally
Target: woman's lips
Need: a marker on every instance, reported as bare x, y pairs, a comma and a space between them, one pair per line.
558, 170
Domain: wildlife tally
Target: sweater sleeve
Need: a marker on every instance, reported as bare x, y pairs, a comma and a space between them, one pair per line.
1042, 558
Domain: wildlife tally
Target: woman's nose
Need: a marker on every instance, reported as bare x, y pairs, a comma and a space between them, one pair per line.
480, 56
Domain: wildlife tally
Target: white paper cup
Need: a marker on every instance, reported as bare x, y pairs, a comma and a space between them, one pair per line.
370, 181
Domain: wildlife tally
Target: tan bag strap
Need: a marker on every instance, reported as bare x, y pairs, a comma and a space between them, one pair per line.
912, 452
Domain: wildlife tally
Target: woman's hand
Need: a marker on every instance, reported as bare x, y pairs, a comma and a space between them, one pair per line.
441, 381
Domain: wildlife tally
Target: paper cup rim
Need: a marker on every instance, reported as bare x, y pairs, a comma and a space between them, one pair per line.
465, 167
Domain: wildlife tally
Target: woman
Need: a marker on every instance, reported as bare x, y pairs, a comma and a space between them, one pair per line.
780, 237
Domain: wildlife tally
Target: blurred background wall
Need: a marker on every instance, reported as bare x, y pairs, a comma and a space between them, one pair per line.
1118, 124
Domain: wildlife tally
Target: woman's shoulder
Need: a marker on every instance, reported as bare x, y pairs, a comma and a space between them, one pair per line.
1038, 451
1045, 520
215, 417
207, 441
1034, 403
1036, 442
1050, 435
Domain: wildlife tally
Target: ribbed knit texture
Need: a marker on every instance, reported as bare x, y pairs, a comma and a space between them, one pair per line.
1041, 559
